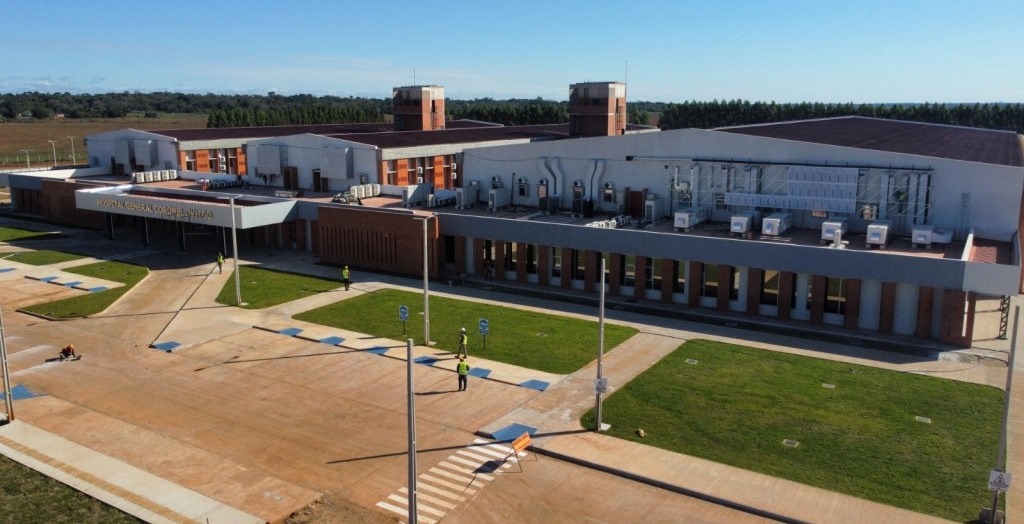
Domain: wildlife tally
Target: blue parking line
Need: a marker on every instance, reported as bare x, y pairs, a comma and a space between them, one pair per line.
97, 289
539, 385
6, 269
479, 372
513, 431
291, 332
377, 350
165, 346
426, 361
71, 284
47, 279
334, 341
19, 392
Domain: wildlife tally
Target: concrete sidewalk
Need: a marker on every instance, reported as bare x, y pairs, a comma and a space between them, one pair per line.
112, 481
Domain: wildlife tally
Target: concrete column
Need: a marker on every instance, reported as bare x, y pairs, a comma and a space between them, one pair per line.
724, 287
755, 277
668, 279
925, 303
693, 283
110, 226
787, 281
543, 265
145, 231
852, 317
887, 308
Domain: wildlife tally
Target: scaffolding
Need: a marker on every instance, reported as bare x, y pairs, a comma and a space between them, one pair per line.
863, 194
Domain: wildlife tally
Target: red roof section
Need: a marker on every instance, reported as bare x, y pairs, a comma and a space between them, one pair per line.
985, 146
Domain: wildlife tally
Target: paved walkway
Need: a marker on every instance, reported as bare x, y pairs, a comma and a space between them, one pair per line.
190, 316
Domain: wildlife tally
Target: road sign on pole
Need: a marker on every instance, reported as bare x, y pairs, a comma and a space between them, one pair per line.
403, 313
999, 480
485, 327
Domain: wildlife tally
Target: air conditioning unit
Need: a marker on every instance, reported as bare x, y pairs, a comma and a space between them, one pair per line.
776, 224
608, 185
577, 183
455, 175
419, 170
522, 180
454, 166
419, 180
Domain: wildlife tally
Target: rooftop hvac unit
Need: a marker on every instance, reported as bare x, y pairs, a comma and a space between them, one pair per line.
467, 197
653, 210
923, 236
879, 234
833, 230
689, 218
419, 180
776, 224
745, 222
498, 199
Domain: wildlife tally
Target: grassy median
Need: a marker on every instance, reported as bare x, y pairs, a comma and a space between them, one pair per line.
17, 234
263, 288
856, 426
92, 303
40, 258
29, 496
540, 341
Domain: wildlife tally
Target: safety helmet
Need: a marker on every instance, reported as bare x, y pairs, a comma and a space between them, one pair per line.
463, 330
72, 346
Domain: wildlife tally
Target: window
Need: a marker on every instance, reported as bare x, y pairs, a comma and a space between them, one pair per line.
510, 256
770, 287
556, 263
709, 280
734, 284
629, 271
579, 262
652, 278
531, 259
835, 298
679, 270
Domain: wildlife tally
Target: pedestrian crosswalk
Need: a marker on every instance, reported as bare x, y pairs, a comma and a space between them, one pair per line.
133, 254
452, 481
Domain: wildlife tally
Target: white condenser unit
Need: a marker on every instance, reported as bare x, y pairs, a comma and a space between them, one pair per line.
745, 222
922, 236
498, 199
776, 224
879, 234
689, 218
653, 209
467, 197
832, 230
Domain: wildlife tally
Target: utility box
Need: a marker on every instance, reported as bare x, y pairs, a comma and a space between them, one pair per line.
832, 230
687, 219
922, 236
879, 234
745, 222
498, 199
776, 224
467, 197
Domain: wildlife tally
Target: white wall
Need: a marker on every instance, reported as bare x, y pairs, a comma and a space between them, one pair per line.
995, 190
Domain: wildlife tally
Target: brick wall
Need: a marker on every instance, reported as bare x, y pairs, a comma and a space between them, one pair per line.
378, 240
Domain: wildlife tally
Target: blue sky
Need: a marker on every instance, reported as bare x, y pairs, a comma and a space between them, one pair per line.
669, 51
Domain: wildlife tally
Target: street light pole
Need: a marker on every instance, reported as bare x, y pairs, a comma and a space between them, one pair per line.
600, 348
73, 161
28, 160
234, 254
8, 399
53, 145
426, 288
234, 248
413, 516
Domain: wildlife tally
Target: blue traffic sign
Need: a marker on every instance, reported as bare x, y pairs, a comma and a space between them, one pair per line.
403, 313
484, 326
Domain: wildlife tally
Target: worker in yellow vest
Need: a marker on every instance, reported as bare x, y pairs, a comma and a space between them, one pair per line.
344, 277
463, 341
462, 369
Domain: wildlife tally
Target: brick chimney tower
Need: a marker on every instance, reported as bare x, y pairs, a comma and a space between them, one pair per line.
418, 108
597, 109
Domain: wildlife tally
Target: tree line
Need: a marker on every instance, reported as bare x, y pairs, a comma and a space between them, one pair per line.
274, 110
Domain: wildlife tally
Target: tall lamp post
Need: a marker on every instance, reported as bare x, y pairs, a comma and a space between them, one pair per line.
426, 282
8, 399
234, 249
73, 161
53, 145
28, 160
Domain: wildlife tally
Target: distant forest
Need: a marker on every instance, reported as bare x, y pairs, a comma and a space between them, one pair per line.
274, 110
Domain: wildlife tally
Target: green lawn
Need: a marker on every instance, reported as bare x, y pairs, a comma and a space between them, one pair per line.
29, 496
266, 287
40, 258
12, 234
550, 343
737, 404
92, 303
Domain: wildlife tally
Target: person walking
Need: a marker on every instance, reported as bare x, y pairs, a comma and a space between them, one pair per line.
345, 276
463, 341
462, 369
220, 262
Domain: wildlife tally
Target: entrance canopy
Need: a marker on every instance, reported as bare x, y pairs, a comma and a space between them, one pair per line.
188, 205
